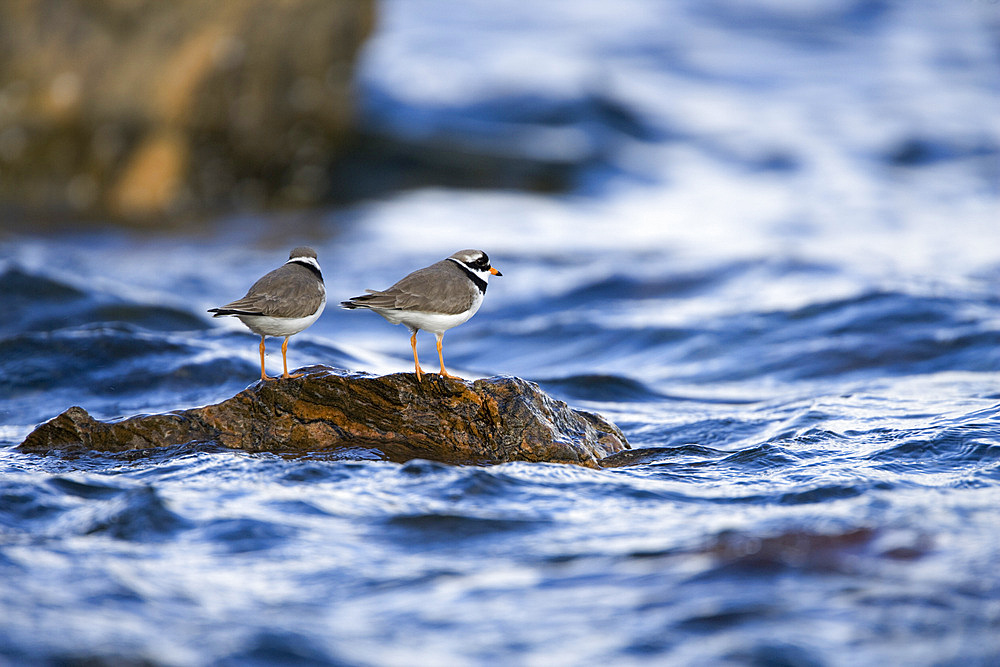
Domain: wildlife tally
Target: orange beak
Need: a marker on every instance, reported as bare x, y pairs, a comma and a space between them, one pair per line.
495, 272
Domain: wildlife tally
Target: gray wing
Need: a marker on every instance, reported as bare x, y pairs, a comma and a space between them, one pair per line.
288, 291
440, 287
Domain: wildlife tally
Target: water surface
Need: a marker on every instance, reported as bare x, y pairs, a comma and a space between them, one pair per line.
778, 272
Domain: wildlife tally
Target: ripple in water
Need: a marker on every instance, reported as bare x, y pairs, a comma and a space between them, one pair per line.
763, 296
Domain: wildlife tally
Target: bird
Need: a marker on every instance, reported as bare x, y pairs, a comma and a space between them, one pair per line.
434, 298
282, 303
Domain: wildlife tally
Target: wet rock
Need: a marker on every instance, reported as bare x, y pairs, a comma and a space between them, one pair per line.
395, 417
142, 109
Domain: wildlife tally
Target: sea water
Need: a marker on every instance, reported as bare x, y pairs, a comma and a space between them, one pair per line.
777, 270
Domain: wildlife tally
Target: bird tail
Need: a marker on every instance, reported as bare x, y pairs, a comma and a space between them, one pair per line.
359, 301
351, 304
219, 312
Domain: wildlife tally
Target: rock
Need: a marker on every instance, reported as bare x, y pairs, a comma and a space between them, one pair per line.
142, 109
487, 421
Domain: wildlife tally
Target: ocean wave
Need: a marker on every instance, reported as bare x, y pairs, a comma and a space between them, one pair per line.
777, 274
41, 303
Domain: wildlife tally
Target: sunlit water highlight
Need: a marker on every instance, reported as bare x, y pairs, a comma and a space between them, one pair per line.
778, 278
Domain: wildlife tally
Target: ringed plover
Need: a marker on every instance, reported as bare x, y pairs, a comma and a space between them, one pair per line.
435, 298
282, 303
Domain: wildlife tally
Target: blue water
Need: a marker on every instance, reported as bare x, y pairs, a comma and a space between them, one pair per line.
777, 270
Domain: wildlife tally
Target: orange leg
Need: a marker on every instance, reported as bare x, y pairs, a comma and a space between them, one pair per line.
416, 361
284, 360
263, 375
440, 336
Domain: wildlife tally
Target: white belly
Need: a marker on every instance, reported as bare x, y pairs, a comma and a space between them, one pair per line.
280, 326
434, 322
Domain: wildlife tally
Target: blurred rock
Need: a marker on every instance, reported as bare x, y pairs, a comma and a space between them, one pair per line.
141, 109
395, 417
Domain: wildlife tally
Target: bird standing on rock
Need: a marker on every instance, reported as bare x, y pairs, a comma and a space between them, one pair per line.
282, 303
435, 298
